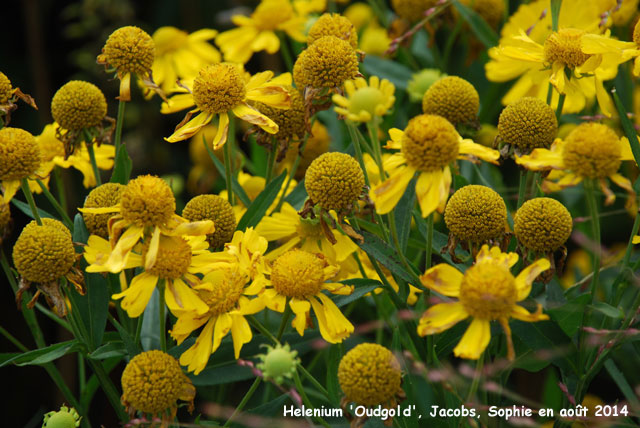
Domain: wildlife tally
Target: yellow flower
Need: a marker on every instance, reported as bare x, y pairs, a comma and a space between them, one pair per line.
590, 151
487, 291
361, 15
291, 122
9, 96
529, 51
178, 260
293, 231
421, 81
375, 40
78, 105
145, 213
297, 279
129, 50
257, 32
253, 186
153, 382
453, 98
364, 102
219, 90
333, 24
19, 158
527, 124
334, 181
327, 63
179, 55
216, 209
105, 195
427, 146
412, 10
491, 11
53, 154
542, 224
618, 50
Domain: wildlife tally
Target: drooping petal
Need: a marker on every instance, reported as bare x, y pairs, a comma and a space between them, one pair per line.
197, 356
136, 297
152, 252
541, 159
9, 189
441, 317
181, 298
118, 257
221, 329
190, 128
334, 327
428, 191
520, 313
251, 115
468, 147
526, 277
474, 341
240, 332
444, 279
300, 308
387, 194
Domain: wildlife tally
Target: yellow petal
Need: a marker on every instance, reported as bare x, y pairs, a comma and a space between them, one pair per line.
300, 308
440, 317
429, 191
9, 189
387, 194
152, 252
636, 239
190, 128
136, 297
222, 133
334, 327
520, 313
468, 147
181, 298
118, 257
197, 356
444, 279
249, 114
526, 277
240, 332
221, 329
474, 341
541, 159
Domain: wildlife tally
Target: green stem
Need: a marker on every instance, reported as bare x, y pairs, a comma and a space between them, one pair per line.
109, 389
88, 140
162, 315
29, 196
292, 173
228, 161
244, 401
65, 218
271, 162
11, 338
285, 319
358, 150
560, 105
285, 50
372, 127
595, 228
429, 244
314, 381
305, 398
522, 188
254, 322
119, 121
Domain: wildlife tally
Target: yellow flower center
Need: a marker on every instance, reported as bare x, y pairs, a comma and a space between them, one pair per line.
529, 123
333, 24
411, 10
106, 195
169, 40
564, 46
225, 295
327, 63
153, 381
476, 213
218, 88
334, 180
592, 150
290, 121
130, 50
430, 143
453, 98
488, 291
297, 274
173, 258
370, 375
147, 201
5, 218
44, 253
366, 99
271, 13
78, 105
5, 89
216, 209
19, 154
542, 224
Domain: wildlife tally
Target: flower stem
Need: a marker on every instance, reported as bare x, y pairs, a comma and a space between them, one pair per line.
27, 194
560, 105
88, 140
162, 315
305, 398
314, 381
65, 218
254, 322
285, 50
372, 127
228, 161
358, 150
595, 228
429, 244
244, 400
292, 173
109, 389
119, 121
285, 319
522, 188
271, 162
62, 195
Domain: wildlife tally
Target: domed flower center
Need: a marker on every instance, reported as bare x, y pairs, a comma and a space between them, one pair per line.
366, 98
297, 274
78, 105
19, 154
528, 123
106, 195
430, 143
216, 209
130, 49
592, 150
564, 46
173, 258
453, 98
334, 180
271, 13
153, 381
147, 201
542, 224
476, 213
5, 89
218, 88
370, 375
488, 291
169, 39
225, 295
327, 63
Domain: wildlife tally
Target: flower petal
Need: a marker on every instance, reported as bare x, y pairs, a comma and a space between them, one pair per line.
240, 332
526, 277
474, 341
197, 356
190, 128
520, 313
249, 114
387, 194
440, 317
137, 295
444, 279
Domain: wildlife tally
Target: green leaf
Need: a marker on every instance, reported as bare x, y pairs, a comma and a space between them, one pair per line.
403, 214
333, 360
98, 299
382, 252
393, 71
80, 232
627, 126
297, 196
620, 380
569, 316
150, 334
129, 342
259, 207
221, 374
479, 26
272, 408
43, 355
608, 310
362, 287
109, 350
122, 168
26, 209
548, 341
555, 14
237, 188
